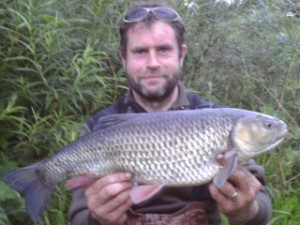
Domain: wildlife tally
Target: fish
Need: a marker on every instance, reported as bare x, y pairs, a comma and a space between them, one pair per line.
174, 148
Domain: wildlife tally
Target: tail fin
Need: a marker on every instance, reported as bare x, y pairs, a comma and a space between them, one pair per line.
30, 182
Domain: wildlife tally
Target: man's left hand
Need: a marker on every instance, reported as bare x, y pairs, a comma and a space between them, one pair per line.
237, 198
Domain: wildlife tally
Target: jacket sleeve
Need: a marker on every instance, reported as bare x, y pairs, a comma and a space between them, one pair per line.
265, 206
79, 214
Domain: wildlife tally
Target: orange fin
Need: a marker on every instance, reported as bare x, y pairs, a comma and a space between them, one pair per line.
82, 181
229, 166
141, 193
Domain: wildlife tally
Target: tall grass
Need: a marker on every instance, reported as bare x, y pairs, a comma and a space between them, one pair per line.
59, 63
248, 56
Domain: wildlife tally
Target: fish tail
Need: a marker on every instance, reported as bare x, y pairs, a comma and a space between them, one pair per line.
29, 181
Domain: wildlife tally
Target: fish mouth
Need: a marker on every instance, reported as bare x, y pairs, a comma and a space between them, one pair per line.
284, 132
272, 145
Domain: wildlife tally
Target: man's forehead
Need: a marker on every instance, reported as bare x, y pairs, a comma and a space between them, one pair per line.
158, 27
156, 32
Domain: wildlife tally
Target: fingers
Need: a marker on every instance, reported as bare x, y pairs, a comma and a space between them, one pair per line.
112, 214
107, 180
111, 196
227, 191
238, 192
218, 195
108, 198
246, 183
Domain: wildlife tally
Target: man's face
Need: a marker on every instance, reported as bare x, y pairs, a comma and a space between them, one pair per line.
153, 63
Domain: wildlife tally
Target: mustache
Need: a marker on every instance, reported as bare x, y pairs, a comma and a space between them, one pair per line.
147, 75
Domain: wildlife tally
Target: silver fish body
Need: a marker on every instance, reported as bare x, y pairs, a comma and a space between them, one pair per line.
175, 148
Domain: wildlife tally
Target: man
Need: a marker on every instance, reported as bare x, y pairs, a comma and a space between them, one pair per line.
153, 52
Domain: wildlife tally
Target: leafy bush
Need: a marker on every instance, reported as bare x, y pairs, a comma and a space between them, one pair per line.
59, 63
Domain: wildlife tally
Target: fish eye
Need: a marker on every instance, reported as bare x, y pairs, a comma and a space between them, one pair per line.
268, 125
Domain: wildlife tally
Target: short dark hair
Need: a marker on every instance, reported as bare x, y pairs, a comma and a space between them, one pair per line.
177, 25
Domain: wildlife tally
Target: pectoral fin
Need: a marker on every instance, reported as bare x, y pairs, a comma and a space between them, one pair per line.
82, 181
141, 193
230, 162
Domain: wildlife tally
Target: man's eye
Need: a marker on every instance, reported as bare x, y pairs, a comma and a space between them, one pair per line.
140, 51
164, 49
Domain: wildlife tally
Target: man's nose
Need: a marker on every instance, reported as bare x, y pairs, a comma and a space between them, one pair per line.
153, 61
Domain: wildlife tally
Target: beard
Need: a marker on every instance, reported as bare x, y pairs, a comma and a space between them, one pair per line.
161, 93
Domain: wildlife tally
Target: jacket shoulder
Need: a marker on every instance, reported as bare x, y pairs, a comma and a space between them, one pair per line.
197, 102
118, 107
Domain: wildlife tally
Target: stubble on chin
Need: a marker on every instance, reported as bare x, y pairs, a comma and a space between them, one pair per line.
157, 94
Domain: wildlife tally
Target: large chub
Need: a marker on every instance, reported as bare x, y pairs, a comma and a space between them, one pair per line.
175, 149
38, 193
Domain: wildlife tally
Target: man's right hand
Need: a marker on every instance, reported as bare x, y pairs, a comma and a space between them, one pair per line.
108, 198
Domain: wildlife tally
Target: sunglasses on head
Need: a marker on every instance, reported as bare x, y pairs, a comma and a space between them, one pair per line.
160, 13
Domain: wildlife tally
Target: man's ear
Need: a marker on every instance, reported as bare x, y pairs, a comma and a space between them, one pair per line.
183, 54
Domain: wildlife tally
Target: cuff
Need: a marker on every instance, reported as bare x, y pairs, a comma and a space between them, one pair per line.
264, 212
92, 221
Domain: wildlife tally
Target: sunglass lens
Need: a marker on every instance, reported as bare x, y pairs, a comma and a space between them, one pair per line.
136, 15
163, 13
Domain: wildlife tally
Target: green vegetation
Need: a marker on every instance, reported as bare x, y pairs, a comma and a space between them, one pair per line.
59, 63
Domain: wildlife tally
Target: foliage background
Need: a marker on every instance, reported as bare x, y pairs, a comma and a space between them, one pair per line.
59, 63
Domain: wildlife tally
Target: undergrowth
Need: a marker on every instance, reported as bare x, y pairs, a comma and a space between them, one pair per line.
59, 63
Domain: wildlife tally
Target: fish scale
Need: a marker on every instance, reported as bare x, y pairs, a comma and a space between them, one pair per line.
167, 154
175, 148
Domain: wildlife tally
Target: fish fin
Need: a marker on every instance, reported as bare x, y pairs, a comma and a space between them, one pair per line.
38, 193
113, 120
141, 193
81, 181
230, 163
